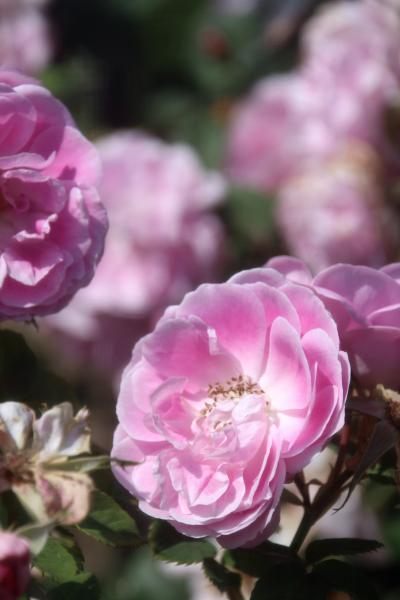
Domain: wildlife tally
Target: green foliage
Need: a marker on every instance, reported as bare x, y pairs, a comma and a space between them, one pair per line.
320, 549
255, 561
61, 565
108, 523
282, 582
335, 575
57, 562
220, 576
23, 379
169, 545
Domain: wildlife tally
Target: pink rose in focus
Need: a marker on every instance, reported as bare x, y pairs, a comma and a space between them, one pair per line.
335, 212
365, 304
163, 241
14, 566
53, 224
234, 391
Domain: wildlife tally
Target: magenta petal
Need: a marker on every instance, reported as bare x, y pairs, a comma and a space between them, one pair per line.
292, 268
286, 380
238, 319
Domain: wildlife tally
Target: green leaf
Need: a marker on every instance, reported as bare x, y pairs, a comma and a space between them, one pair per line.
255, 561
83, 464
169, 545
37, 535
335, 575
83, 587
320, 549
220, 576
282, 582
56, 562
108, 523
251, 214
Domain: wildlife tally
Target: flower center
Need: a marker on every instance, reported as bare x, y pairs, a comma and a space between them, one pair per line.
230, 391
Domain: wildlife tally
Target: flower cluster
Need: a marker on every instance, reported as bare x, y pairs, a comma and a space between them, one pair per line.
316, 132
231, 395
52, 225
163, 241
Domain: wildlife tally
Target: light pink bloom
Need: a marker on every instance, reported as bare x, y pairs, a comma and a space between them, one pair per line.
163, 241
365, 304
53, 224
234, 392
335, 212
342, 94
14, 566
25, 39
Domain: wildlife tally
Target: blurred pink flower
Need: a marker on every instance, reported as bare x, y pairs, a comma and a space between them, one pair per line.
53, 224
234, 391
14, 566
335, 212
365, 304
163, 241
25, 38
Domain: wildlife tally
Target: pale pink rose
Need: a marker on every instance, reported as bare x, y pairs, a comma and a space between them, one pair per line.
356, 47
53, 225
163, 241
291, 122
365, 304
234, 391
335, 212
25, 38
343, 93
14, 566
270, 131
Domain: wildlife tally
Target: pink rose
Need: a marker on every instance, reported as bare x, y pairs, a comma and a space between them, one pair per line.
14, 566
53, 224
365, 304
322, 212
163, 241
234, 391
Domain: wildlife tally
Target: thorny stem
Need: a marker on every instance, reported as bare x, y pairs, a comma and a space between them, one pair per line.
234, 594
303, 488
327, 494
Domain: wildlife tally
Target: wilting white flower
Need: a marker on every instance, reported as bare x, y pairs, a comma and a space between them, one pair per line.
34, 460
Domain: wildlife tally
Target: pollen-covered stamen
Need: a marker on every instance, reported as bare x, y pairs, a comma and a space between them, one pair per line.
233, 389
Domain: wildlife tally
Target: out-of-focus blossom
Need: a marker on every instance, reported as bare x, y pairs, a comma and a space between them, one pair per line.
355, 46
25, 38
365, 304
236, 389
14, 566
335, 212
163, 241
24, 41
34, 455
52, 224
236, 7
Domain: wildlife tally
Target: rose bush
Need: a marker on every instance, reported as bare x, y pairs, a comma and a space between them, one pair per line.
322, 212
14, 566
234, 392
52, 222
